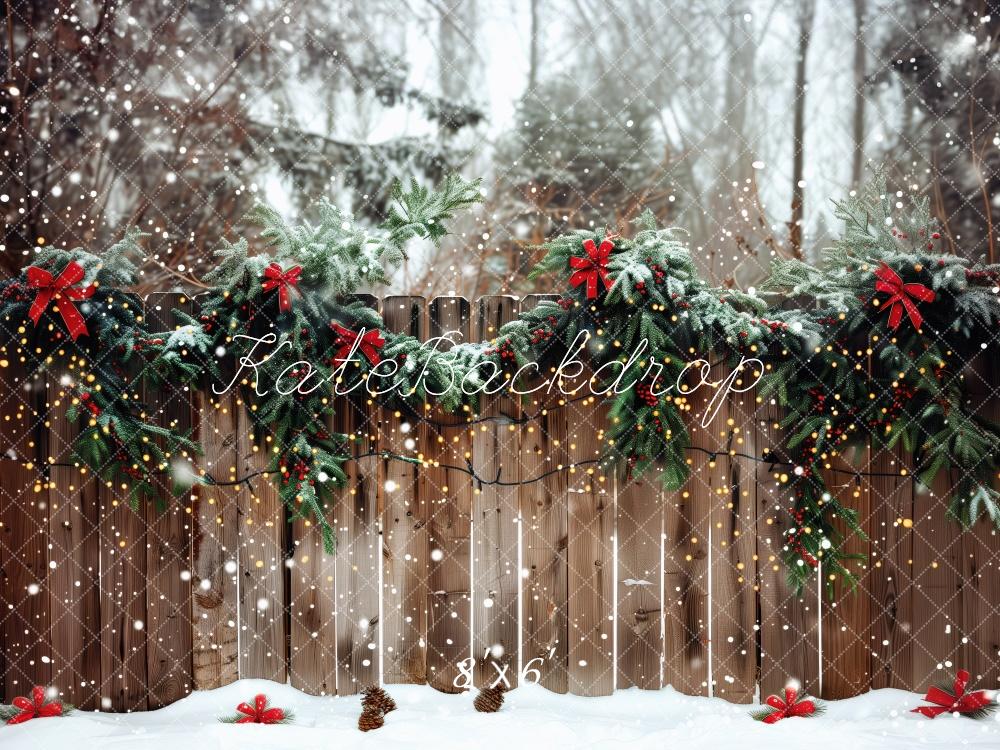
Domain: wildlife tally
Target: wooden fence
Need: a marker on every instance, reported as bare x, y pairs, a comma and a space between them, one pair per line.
595, 581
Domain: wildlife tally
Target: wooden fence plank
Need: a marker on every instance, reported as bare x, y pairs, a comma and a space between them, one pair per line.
981, 545
124, 675
215, 539
890, 582
687, 515
847, 617
733, 550
261, 557
789, 620
359, 545
543, 505
639, 529
74, 585
495, 516
937, 585
590, 552
449, 494
24, 620
404, 521
168, 532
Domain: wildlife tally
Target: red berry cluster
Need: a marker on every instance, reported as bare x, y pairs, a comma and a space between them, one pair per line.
773, 325
91, 405
645, 393
566, 302
300, 471
795, 539
504, 350
901, 394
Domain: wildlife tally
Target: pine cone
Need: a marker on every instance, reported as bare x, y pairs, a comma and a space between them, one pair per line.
377, 699
489, 699
370, 720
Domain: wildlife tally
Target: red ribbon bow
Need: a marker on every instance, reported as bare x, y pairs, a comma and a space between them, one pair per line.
36, 708
959, 703
275, 278
61, 288
789, 707
259, 713
369, 345
593, 267
888, 281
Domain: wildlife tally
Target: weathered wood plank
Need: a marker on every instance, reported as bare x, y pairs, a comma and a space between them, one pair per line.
404, 520
543, 507
937, 585
215, 535
639, 528
168, 531
24, 622
495, 516
733, 523
449, 494
687, 515
890, 583
74, 586
261, 557
981, 545
847, 616
124, 673
590, 546
313, 658
359, 544
789, 620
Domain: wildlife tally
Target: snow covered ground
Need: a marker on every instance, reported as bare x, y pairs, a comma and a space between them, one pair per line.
531, 718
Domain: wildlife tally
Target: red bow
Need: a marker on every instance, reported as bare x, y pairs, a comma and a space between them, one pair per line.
789, 707
36, 708
593, 267
282, 281
61, 288
259, 713
369, 345
959, 703
888, 281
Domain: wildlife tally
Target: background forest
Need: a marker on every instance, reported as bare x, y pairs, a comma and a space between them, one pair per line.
737, 120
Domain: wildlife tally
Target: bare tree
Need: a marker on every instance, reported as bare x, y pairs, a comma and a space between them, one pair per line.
858, 124
806, 15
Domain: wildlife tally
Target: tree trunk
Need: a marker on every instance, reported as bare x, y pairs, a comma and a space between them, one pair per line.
807, 11
858, 129
533, 47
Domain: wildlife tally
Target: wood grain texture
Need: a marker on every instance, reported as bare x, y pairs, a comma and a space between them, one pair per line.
359, 544
24, 622
404, 520
981, 545
937, 585
789, 620
590, 547
74, 585
168, 532
261, 559
215, 538
124, 572
639, 529
847, 616
449, 495
733, 551
544, 506
890, 582
312, 665
495, 515
687, 516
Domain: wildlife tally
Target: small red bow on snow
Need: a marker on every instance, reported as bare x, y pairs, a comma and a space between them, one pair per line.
593, 267
259, 713
369, 344
36, 708
283, 281
902, 296
959, 703
61, 288
789, 707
